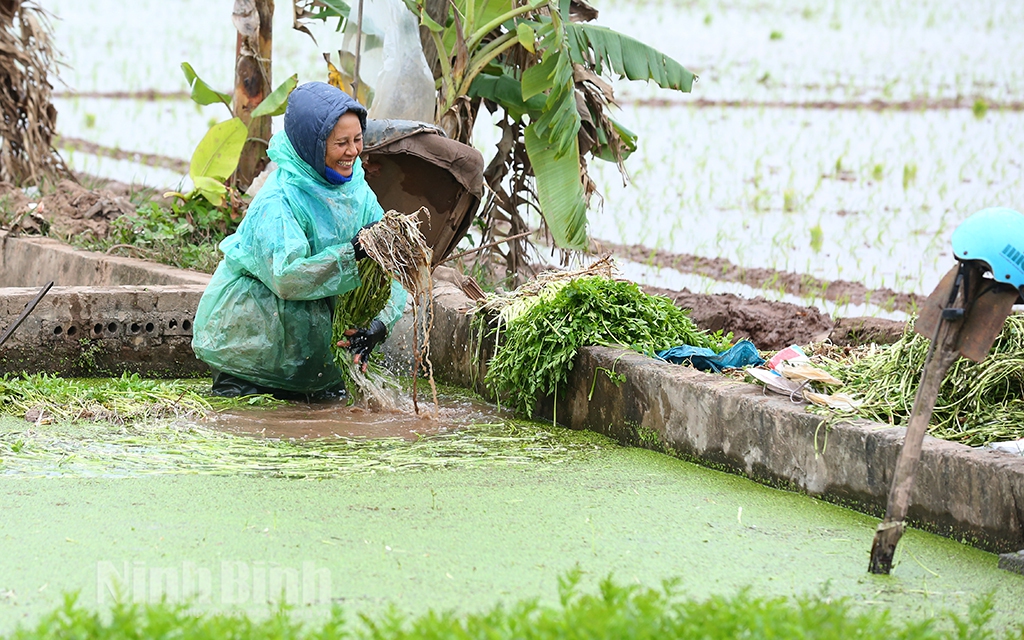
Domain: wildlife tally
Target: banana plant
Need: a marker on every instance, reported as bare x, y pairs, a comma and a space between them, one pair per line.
216, 156
544, 70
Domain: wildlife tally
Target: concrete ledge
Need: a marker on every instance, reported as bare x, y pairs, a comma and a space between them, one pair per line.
963, 493
32, 261
107, 315
90, 331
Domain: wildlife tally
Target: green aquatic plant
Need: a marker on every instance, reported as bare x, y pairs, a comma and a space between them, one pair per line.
978, 402
43, 398
539, 345
395, 249
175, 447
355, 309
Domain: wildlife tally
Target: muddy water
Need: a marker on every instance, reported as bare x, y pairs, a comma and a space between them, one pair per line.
335, 419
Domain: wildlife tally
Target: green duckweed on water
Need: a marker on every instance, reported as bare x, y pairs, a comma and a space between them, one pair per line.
462, 537
463, 521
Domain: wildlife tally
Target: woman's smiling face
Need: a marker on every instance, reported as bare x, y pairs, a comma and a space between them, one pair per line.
344, 144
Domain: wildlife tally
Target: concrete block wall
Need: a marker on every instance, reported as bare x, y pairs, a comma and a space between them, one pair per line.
92, 331
105, 315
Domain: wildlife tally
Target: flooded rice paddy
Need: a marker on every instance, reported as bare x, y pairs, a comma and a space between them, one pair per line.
843, 141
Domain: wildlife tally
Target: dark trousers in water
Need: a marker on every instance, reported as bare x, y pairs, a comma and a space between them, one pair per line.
226, 385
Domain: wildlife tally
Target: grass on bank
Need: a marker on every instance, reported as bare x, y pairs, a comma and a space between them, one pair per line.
614, 611
183, 235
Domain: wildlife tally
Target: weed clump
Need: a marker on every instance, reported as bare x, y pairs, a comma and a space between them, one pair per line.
978, 403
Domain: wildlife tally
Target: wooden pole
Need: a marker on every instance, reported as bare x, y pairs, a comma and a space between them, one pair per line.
942, 354
359, 46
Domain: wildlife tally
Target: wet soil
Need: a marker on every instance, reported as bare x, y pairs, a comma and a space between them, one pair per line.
796, 284
70, 209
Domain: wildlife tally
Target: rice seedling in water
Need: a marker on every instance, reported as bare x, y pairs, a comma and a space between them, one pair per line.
978, 402
909, 174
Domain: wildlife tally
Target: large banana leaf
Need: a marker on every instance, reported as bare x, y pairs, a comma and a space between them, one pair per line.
484, 11
202, 93
507, 92
603, 151
216, 158
626, 56
560, 121
559, 189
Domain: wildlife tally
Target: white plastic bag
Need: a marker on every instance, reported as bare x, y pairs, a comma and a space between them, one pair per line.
404, 88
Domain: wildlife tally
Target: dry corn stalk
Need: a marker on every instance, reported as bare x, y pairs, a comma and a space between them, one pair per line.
27, 118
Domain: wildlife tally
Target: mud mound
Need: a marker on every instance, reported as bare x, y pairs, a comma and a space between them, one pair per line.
856, 331
769, 325
14, 204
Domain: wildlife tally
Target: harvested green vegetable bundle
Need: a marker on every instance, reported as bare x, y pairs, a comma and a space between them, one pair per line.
395, 248
978, 403
358, 308
541, 343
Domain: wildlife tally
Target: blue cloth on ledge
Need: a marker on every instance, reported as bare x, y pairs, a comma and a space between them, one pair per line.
741, 354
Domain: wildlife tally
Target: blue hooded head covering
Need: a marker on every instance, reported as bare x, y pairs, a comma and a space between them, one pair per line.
313, 110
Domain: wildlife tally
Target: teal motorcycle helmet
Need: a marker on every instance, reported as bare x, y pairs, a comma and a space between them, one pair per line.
995, 237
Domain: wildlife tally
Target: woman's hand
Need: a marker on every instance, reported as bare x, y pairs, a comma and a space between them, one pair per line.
357, 247
362, 341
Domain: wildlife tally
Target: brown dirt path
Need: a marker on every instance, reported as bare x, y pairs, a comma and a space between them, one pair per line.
796, 284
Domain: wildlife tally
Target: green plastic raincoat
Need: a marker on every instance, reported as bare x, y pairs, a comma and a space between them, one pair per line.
266, 316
